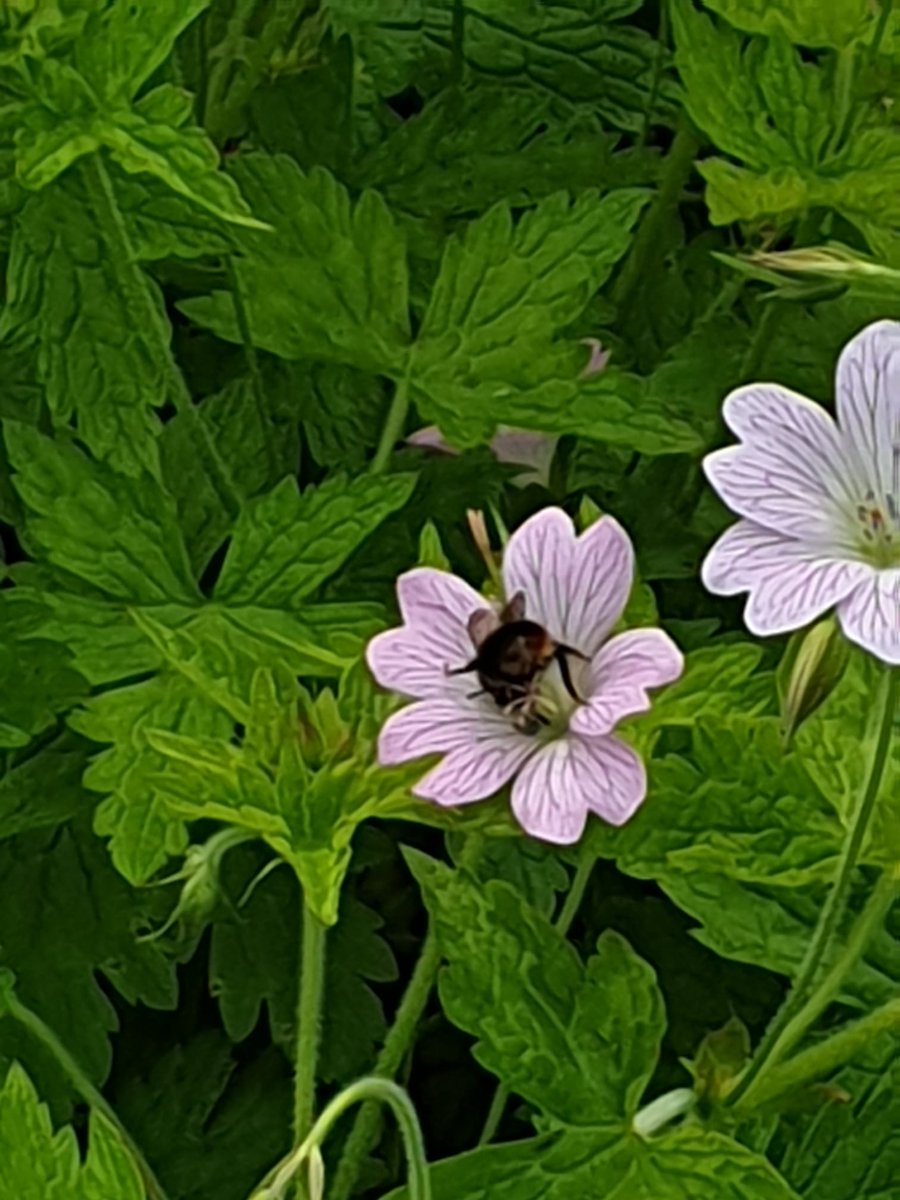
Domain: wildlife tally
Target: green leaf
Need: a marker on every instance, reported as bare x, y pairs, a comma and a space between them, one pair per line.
44, 789
97, 363
122, 45
287, 543
117, 533
143, 830
74, 919
734, 802
210, 1126
37, 680
155, 138
254, 428
578, 1042
39, 1164
683, 1164
503, 291
576, 54
330, 284
804, 21
470, 149
763, 104
848, 1150
341, 410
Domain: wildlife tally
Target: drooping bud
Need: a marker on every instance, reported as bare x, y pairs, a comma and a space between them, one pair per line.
810, 670
722, 1056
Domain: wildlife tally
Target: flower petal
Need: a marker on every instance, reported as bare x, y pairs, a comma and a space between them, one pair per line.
439, 605
868, 404
620, 675
554, 792
475, 770
789, 583
440, 726
870, 615
791, 474
405, 661
576, 587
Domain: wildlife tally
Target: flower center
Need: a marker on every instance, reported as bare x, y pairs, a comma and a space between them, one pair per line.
546, 712
879, 521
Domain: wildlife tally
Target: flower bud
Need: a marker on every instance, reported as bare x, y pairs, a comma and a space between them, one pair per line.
810, 670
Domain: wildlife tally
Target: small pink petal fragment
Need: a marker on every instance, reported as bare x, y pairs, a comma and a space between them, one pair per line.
870, 616
620, 675
565, 780
576, 587
599, 357
789, 583
431, 438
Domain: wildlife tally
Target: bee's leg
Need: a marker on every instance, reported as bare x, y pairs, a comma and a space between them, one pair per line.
561, 652
471, 666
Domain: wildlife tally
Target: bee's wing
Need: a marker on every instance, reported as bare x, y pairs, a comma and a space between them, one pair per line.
481, 625
514, 609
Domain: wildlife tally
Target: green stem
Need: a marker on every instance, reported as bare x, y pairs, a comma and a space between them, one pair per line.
383, 1091
309, 1021
869, 921
648, 244
662, 38
785, 1029
393, 427
83, 1086
821, 1060
364, 1133
148, 316
883, 17
563, 923
843, 84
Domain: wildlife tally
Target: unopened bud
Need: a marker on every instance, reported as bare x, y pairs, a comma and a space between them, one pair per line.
721, 1058
810, 670
481, 538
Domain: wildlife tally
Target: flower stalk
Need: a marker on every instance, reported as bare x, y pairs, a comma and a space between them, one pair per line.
309, 1021
308, 1153
806, 999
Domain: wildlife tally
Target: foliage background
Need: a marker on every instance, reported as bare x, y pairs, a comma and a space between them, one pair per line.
248, 244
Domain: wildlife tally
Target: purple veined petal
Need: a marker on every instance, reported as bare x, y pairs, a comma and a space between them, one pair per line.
620, 674
438, 605
441, 726
565, 780
791, 473
870, 615
868, 405
475, 770
576, 587
405, 661
790, 584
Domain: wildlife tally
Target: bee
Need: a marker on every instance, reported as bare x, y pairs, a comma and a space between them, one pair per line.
511, 655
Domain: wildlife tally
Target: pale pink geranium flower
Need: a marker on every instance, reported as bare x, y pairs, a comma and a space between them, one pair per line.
576, 588
820, 500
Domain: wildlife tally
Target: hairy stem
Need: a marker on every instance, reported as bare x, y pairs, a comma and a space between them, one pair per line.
364, 1133
382, 1091
83, 1086
309, 1021
563, 923
147, 314
788, 1027
820, 1060
392, 429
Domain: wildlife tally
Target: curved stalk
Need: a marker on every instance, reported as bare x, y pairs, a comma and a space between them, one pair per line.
308, 1152
793, 1019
